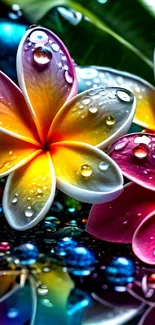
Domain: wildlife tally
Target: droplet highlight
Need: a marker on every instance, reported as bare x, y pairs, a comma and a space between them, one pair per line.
103, 165
68, 77
86, 170
29, 212
141, 151
15, 199
124, 96
93, 109
110, 120
55, 47
42, 55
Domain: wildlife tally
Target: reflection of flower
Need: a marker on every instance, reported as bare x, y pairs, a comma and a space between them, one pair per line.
49, 143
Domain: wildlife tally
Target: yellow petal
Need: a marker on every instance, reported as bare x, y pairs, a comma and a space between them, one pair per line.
29, 193
53, 304
97, 117
46, 75
15, 117
143, 90
85, 173
14, 153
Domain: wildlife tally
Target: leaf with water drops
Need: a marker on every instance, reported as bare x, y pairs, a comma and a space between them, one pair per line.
29, 193
93, 76
135, 155
46, 75
143, 242
14, 153
116, 221
96, 116
15, 117
85, 173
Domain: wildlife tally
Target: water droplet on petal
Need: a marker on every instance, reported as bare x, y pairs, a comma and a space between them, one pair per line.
15, 199
151, 237
55, 47
124, 95
141, 151
142, 139
39, 37
110, 120
120, 80
102, 93
42, 55
68, 77
103, 165
64, 58
10, 153
93, 109
39, 191
121, 144
86, 170
29, 212
42, 290
85, 100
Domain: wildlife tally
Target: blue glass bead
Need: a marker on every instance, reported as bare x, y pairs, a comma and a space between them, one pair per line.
25, 254
80, 260
120, 271
65, 245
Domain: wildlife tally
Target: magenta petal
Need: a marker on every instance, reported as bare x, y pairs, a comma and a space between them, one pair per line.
135, 155
143, 243
116, 221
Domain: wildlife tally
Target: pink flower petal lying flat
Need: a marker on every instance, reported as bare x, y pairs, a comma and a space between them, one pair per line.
117, 220
135, 155
143, 243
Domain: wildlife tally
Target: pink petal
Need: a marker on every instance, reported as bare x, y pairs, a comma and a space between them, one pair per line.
143, 243
117, 220
135, 155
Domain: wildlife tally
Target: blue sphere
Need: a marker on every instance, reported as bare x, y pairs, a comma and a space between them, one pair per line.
25, 254
120, 271
80, 261
65, 245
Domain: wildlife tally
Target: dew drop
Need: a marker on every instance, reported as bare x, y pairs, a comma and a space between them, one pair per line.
142, 139
63, 58
29, 212
124, 95
10, 153
85, 100
110, 120
65, 67
93, 109
151, 237
42, 55
121, 144
68, 77
60, 65
55, 47
39, 191
15, 199
39, 37
125, 222
42, 290
103, 165
86, 170
141, 151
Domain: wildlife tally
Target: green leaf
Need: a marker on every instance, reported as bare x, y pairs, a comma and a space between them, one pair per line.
149, 5
112, 33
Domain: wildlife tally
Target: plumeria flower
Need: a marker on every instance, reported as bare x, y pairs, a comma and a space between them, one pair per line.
50, 137
134, 211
